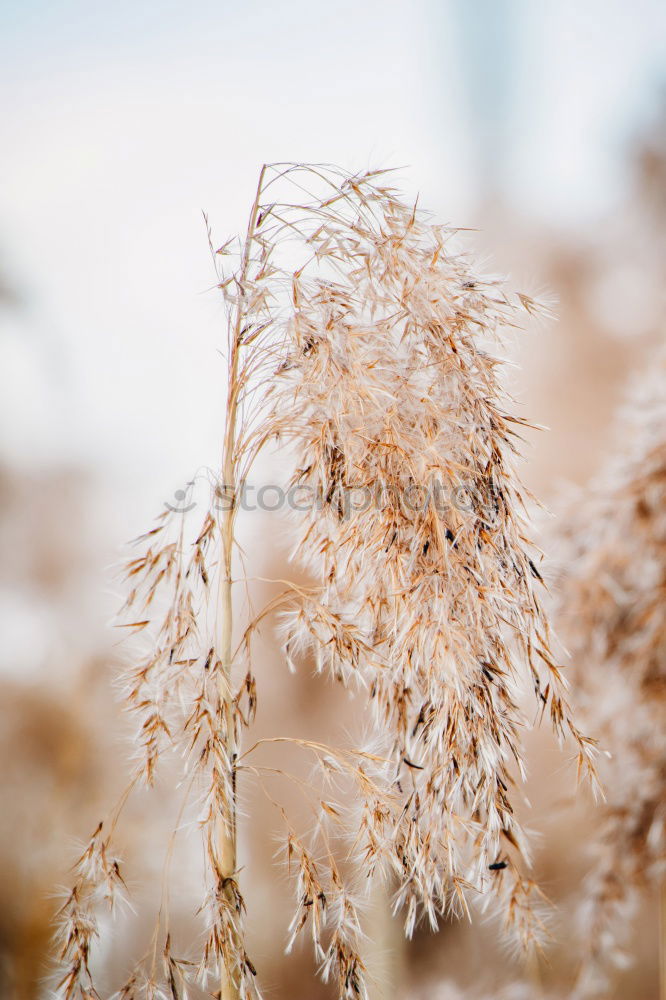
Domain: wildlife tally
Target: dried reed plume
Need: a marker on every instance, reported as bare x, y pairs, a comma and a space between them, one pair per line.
613, 617
359, 340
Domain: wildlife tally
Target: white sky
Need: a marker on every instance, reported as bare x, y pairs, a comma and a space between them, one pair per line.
121, 122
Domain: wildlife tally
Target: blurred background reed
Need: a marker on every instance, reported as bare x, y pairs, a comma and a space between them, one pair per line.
543, 126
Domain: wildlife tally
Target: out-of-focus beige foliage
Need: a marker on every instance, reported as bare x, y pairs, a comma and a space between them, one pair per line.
613, 619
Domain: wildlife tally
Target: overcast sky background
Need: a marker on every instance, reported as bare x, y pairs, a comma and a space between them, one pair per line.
121, 122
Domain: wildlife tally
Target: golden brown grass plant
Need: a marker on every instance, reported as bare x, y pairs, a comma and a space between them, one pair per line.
362, 343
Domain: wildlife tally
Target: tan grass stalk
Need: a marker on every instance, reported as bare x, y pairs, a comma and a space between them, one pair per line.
361, 342
228, 821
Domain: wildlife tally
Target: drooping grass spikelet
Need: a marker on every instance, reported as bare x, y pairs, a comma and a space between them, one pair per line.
428, 585
362, 342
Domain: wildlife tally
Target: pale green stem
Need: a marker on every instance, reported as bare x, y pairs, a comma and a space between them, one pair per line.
227, 846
